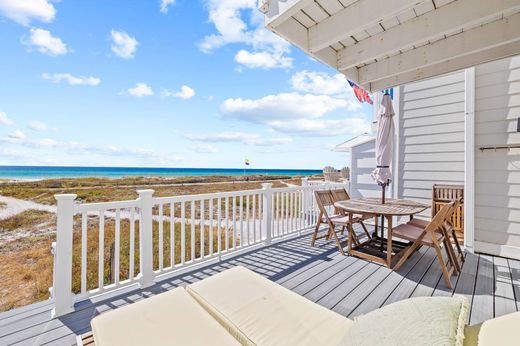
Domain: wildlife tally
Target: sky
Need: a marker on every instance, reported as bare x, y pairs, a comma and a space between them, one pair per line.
165, 83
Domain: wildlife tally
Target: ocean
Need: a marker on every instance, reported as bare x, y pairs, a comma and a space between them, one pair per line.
46, 172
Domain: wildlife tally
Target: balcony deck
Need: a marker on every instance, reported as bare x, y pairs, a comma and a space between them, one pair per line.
347, 285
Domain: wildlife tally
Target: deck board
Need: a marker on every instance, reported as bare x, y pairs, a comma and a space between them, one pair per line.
348, 285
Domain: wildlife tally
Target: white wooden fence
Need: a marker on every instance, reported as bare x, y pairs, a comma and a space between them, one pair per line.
104, 247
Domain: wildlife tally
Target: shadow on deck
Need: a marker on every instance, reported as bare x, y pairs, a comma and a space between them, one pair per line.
347, 285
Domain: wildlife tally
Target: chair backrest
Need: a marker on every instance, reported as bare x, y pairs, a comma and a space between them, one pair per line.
324, 199
439, 219
443, 194
340, 195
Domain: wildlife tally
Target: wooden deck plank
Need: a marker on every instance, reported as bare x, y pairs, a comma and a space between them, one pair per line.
466, 283
504, 295
350, 283
380, 293
514, 265
407, 286
482, 307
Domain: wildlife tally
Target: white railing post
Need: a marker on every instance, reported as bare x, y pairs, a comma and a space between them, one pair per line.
146, 237
267, 209
305, 202
62, 285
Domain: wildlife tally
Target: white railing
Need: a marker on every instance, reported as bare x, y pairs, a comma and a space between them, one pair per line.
104, 247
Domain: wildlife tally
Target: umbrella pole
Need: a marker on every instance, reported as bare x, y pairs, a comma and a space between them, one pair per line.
383, 186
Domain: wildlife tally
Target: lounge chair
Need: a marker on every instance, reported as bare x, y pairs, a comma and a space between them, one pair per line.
238, 306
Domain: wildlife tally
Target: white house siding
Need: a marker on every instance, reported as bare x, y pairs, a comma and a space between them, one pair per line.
431, 135
497, 174
363, 163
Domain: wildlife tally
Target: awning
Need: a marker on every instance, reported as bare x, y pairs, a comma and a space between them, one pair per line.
380, 44
354, 142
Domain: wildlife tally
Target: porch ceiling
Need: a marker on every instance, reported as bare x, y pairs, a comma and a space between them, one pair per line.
380, 44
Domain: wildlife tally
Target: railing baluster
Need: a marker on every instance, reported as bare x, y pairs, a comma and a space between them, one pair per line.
172, 234
227, 223
161, 240
202, 228
254, 218
211, 226
84, 219
117, 246
219, 229
248, 221
282, 212
192, 237
183, 232
132, 244
241, 216
234, 222
278, 213
101, 246
291, 215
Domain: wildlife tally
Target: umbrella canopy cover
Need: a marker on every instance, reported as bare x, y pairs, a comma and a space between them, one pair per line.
384, 142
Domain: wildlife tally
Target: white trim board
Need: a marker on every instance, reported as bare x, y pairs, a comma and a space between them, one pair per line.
469, 159
498, 250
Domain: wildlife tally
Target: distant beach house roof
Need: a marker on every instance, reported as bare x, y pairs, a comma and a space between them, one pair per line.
354, 142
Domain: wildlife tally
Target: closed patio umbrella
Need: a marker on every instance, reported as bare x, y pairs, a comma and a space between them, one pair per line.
384, 149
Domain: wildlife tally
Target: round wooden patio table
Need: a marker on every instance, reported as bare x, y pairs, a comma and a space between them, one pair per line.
370, 249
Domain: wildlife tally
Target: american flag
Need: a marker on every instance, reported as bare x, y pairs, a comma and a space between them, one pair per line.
361, 94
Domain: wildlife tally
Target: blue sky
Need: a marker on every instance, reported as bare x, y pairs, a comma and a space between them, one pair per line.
184, 83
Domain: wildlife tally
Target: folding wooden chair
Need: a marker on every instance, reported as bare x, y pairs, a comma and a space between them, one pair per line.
325, 200
432, 235
342, 195
450, 232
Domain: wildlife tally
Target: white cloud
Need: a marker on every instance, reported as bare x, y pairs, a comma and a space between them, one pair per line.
140, 90
123, 45
205, 149
43, 41
265, 60
185, 93
17, 135
4, 119
23, 11
284, 106
320, 83
37, 125
165, 4
300, 114
238, 137
240, 22
72, 80
323, 127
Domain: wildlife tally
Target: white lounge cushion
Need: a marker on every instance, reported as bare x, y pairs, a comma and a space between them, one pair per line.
258, 311
501, 331
170, 318
421, 321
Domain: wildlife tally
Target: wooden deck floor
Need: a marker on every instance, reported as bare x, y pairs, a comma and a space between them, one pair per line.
347, 285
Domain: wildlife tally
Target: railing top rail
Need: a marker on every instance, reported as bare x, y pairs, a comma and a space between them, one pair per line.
196, 197
85, 207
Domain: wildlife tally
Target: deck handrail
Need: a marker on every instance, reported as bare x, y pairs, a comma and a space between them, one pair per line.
142, 239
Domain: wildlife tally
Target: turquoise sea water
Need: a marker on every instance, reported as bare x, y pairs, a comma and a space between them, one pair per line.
44, 172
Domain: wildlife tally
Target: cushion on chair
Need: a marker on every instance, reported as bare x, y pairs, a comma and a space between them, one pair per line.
501, 331
416, 321
418, 223
411, 233
258, 311
172, 317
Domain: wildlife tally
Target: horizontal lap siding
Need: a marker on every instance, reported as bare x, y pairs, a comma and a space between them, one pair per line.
497, 174
363, 163
431, 135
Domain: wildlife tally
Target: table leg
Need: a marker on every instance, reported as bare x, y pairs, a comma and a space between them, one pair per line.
376, 224
350, 230
389, 242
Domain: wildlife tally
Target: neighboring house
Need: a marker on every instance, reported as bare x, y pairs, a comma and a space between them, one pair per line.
437, 142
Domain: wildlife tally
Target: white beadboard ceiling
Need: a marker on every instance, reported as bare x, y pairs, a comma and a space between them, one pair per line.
380, 44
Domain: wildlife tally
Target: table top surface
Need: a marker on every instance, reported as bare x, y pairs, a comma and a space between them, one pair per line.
374, 206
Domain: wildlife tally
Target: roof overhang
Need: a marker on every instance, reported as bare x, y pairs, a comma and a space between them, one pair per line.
354, 142
381, 44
